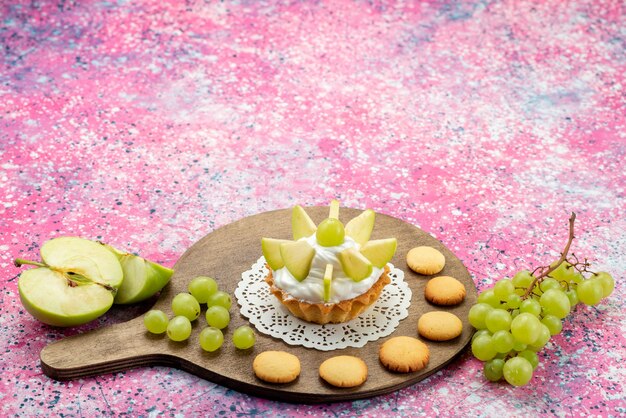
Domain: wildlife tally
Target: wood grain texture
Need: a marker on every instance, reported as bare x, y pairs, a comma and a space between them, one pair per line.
224, 254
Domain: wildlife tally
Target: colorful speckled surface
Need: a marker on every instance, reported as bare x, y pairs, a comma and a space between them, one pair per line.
148, 124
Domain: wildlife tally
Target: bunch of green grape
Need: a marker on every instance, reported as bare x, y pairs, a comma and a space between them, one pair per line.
186, 309
516, 317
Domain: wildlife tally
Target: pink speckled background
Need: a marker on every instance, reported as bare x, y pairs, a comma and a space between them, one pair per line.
148, 124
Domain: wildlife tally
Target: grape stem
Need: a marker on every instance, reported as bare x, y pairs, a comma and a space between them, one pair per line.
544, 271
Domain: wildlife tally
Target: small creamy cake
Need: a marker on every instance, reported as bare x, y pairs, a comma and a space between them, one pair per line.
328, 273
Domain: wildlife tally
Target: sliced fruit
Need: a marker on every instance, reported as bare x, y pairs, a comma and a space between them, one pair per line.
354, 264
334, 209
301, 224
53, 299
360, 228
83, 257
379, 251
142, 278
297, 257
271, 252
328, 277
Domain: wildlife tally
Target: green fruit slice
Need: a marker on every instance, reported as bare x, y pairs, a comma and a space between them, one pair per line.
142, 278
328, 277
86, 258
297, 257
354, 264
271, 252
302, 225
50, 297
360, 228
379, 251
333, 212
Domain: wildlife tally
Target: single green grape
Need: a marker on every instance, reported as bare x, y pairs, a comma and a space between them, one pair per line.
155, 321
217, 317
519, 346
517, 371
489, 297
503, 288
590, 291
542, 338
220, 298
530, 306
525, 328
483, 349
513, 301
493, 369
572, 295
481, 332
477, 314
522, 281
186, 305
498, 319
202, 287
179, 328
607, 281
531, 356
555, 302
243, 337
549, 283
565, 272
330, 232
502, 341
553, 323
211, 339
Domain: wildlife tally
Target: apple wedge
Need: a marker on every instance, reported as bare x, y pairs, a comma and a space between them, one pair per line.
360, 227
354, 264
302, 225
379, 251
75, 283
271, 252
328, 277
142, 278
297, 257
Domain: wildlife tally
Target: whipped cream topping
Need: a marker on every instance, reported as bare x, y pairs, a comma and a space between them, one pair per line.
311, 289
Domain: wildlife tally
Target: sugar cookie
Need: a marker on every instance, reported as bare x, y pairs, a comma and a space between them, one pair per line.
425, 260
404, 354
439, 326
444, 290
276, 367
344, 371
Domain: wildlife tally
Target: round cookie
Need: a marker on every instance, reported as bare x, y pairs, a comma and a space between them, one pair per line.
444, 290
425, 260
344, 371
276, 367
439, 326
404, 354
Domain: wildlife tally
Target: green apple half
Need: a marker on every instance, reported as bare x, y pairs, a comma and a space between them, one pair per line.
75, 283
142, 278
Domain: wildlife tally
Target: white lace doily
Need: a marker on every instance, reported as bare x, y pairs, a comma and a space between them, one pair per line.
270, 317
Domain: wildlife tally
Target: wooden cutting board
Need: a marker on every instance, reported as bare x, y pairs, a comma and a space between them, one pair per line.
225, 254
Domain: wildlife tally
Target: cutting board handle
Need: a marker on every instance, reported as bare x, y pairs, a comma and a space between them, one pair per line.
106, 350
